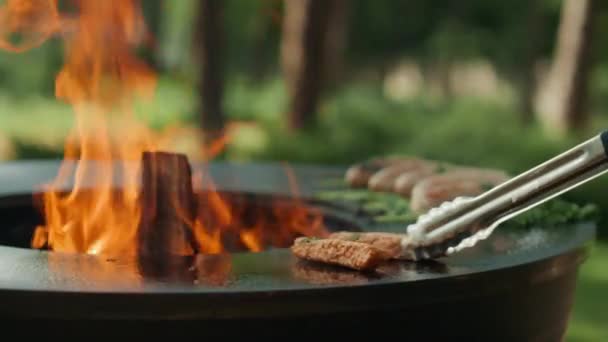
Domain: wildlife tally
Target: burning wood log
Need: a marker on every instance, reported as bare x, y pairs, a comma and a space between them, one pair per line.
167, 206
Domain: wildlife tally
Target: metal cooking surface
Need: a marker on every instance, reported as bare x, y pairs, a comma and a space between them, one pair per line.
266, 271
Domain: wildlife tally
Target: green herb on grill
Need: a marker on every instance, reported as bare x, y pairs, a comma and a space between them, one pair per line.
391, 208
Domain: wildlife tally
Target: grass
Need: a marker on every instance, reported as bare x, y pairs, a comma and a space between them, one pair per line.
590, 319
354, 124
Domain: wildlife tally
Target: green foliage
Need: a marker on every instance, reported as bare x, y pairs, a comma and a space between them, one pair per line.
174, 37
437, 30
381, 207
252, 32
359, 123
249, 100
27, 150
589, 320
39, 124
555, 213
23, 74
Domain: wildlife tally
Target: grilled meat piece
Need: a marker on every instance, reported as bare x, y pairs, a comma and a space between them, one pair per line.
387, 243
355, 255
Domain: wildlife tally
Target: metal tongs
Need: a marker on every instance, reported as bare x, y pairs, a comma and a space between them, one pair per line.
463, 222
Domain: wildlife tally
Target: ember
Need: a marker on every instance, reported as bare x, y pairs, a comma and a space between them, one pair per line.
102, 79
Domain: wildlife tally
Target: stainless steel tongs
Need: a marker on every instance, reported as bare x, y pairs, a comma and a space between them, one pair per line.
463, 222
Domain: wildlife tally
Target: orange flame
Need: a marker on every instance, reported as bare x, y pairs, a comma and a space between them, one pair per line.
102, 78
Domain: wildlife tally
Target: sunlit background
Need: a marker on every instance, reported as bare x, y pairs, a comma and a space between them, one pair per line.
501, 84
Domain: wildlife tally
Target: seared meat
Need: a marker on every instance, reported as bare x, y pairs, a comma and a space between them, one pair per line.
387, 243
356, 255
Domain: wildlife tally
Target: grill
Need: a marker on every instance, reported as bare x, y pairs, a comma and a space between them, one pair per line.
517, 285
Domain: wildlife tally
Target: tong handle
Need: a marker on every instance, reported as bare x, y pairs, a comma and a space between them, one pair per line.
562, 173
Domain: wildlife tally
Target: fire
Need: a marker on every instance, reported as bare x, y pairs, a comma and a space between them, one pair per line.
102, 79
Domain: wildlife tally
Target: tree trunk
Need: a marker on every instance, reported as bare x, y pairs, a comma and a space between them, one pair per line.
336, 39
444, 72
303, 53
563, 102
209, 35
262, 41
153, 13
531, 52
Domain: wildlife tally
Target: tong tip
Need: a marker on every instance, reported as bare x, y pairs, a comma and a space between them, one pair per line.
417, 244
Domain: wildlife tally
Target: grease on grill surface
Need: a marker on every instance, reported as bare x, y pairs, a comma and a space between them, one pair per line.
317, 274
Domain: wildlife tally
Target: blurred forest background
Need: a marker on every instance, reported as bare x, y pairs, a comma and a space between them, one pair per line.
488, 83
503, 84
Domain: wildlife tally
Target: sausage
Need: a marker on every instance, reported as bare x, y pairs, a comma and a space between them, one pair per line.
384, 180
406, 181
433, 190
404, 184
358, 175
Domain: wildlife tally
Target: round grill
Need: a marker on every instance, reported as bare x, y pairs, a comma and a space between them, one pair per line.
517, 285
